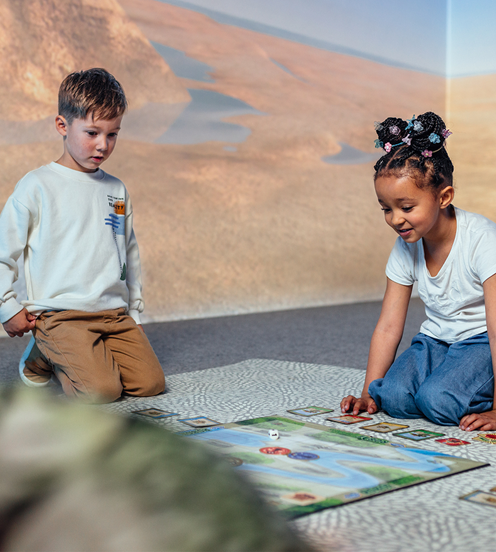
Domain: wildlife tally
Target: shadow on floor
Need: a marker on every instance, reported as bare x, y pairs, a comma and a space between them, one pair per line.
337, 335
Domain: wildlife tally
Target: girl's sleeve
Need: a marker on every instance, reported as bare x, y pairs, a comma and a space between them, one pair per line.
482, 251
14, 228
133, 268
402, 263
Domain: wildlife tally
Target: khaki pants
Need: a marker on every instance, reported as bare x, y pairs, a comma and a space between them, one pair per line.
99, 355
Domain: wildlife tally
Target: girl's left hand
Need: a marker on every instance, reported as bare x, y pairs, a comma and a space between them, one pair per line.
486, 421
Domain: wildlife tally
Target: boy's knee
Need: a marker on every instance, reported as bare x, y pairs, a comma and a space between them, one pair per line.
150, 387
105, 392
438, 405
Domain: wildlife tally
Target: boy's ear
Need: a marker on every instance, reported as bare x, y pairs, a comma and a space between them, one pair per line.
61, 125
446, 197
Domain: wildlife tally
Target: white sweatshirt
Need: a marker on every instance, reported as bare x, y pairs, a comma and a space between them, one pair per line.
76, 232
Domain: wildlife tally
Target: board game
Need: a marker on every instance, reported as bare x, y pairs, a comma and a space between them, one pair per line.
312, 467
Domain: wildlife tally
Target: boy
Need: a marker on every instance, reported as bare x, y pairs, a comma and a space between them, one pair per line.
74, 223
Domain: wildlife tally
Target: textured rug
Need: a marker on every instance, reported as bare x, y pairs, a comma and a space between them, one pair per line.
427, 517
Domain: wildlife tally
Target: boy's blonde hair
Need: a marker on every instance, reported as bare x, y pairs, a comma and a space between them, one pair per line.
94, 92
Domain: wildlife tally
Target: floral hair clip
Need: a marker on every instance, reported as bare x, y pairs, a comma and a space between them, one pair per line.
446, 133
410, 123
378, 125
408, 140
417, 127
388, 146
378, 143
427, 153
394, 130
434, 138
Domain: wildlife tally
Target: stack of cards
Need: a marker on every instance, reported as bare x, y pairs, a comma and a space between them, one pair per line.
486, 438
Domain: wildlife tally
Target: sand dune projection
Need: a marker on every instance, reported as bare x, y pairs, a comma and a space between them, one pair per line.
264, 223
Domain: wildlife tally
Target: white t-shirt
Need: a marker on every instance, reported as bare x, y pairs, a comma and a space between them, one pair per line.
454, 298
76, 232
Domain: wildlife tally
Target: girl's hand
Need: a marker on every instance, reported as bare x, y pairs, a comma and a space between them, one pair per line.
356, 405
485, 421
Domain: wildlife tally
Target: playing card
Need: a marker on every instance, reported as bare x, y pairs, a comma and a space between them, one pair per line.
452, 442
310, 411
199, 421
418, 434
348, 419
480, 497
154, 413
384, 427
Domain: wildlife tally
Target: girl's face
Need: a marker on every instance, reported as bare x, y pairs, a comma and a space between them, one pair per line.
412, 212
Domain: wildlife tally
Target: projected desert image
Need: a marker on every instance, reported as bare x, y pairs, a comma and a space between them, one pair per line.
249, 158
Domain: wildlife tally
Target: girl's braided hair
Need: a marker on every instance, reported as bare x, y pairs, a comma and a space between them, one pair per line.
415, 148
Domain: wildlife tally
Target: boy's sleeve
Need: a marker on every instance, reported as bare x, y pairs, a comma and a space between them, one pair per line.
14, 227
133, 269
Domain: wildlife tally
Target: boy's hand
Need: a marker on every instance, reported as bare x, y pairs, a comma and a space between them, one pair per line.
356, 405
485, 421
23, 322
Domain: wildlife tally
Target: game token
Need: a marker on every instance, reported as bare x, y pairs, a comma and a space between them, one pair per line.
480, 497
154, 413
348, 419
273, 434
310, 411
303, 498
486, 438
384, 427
303, 456
418, 434
199, 421
452, 442
275, 450
233, 461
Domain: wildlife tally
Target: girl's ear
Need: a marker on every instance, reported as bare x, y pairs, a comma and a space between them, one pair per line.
446, 197
61, 125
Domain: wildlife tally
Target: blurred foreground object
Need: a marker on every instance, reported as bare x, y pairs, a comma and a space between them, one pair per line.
76, 478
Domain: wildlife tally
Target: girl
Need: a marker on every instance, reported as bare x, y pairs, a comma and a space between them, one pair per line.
447, 374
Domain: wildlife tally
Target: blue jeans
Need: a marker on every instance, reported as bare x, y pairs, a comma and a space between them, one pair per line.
438, 380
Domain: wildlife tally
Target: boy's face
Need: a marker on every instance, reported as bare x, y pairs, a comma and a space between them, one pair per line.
87, 142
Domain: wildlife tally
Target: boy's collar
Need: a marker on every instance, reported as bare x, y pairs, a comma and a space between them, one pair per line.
80, 176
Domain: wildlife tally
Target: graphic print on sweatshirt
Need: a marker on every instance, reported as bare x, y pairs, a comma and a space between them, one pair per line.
116, 219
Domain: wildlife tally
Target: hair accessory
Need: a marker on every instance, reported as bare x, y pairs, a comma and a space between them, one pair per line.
394, 130
417, 127
410, 123
427, 153
408, 140
378, 143
434, 138
446, 133
387, 147
378, 125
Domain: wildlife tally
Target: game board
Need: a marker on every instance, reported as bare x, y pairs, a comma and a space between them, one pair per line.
312, 467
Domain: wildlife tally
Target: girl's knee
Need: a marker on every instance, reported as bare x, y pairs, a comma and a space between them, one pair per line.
394, 398
439, 405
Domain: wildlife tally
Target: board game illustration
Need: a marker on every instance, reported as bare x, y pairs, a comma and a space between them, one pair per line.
312, 467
